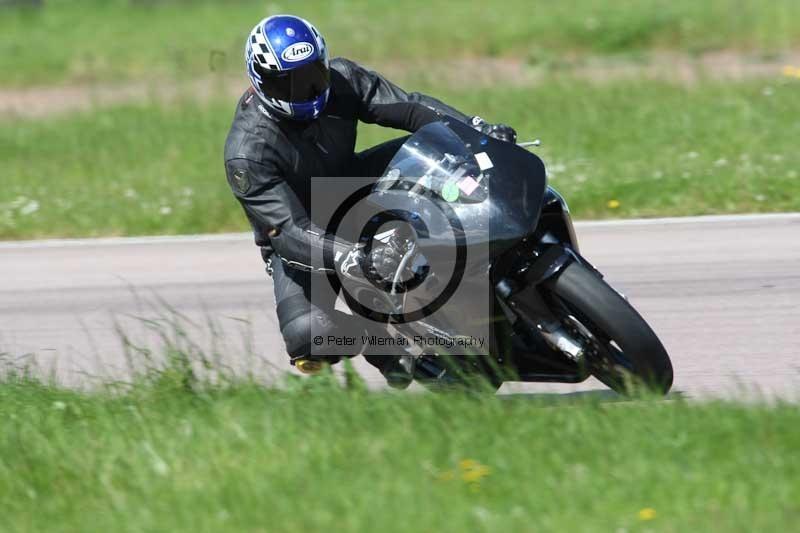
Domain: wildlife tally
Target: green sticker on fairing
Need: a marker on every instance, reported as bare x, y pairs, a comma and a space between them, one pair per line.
450, 191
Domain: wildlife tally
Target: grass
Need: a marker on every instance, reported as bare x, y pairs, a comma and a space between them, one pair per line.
650, 147
312, 456
93, 40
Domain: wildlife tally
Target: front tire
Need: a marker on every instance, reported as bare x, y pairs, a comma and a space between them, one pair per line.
622, 349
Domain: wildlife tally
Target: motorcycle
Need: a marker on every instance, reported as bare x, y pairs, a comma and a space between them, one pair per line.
552, 317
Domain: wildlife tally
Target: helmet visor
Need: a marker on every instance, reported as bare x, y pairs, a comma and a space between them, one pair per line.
297, 85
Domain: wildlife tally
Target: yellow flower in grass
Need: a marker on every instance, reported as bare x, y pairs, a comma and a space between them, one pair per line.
648, 513
613, 204
467, 464
470, 471
474, 475
790, 72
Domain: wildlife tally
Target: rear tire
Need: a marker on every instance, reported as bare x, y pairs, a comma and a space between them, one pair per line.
624, 349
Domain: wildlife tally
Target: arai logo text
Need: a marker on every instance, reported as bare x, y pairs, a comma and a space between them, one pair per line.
297, 52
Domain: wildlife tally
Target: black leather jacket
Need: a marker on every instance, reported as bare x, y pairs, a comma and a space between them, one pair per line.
270, 161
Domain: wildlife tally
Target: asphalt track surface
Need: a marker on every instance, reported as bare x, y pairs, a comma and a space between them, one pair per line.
723, 293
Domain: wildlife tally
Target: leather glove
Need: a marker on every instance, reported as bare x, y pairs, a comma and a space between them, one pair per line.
380, 265
501, 132
383, 262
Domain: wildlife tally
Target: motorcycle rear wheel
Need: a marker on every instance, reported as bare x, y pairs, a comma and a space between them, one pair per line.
622, 350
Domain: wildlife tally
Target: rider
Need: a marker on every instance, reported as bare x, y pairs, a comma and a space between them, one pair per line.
297, 120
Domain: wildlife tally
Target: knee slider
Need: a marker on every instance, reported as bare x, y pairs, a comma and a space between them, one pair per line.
297, 336
299, 332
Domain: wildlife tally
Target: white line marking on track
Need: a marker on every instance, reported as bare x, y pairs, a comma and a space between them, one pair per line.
239, 237
706, 219
127, 241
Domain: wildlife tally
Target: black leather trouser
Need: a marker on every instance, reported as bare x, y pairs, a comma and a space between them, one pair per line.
299, 318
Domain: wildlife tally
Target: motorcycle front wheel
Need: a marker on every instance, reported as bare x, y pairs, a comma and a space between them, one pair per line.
621, 350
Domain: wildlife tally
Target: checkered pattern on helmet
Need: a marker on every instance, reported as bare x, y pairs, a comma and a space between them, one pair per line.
260, 49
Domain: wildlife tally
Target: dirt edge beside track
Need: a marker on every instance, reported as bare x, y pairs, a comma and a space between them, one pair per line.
35, 102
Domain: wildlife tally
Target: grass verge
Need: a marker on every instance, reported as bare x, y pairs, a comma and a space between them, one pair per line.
159, 456
114, 40
624, 149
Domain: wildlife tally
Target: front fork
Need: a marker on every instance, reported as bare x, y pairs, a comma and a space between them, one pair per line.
522, 299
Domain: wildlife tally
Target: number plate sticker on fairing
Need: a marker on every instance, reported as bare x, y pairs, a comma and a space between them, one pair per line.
484, 161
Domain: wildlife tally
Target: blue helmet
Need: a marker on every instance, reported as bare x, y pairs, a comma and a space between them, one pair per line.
287, 62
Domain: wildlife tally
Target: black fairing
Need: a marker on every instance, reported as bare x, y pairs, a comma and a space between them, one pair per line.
507, 214
556, 220
516, 187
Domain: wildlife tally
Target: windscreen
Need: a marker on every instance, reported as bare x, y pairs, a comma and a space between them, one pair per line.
436, 159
